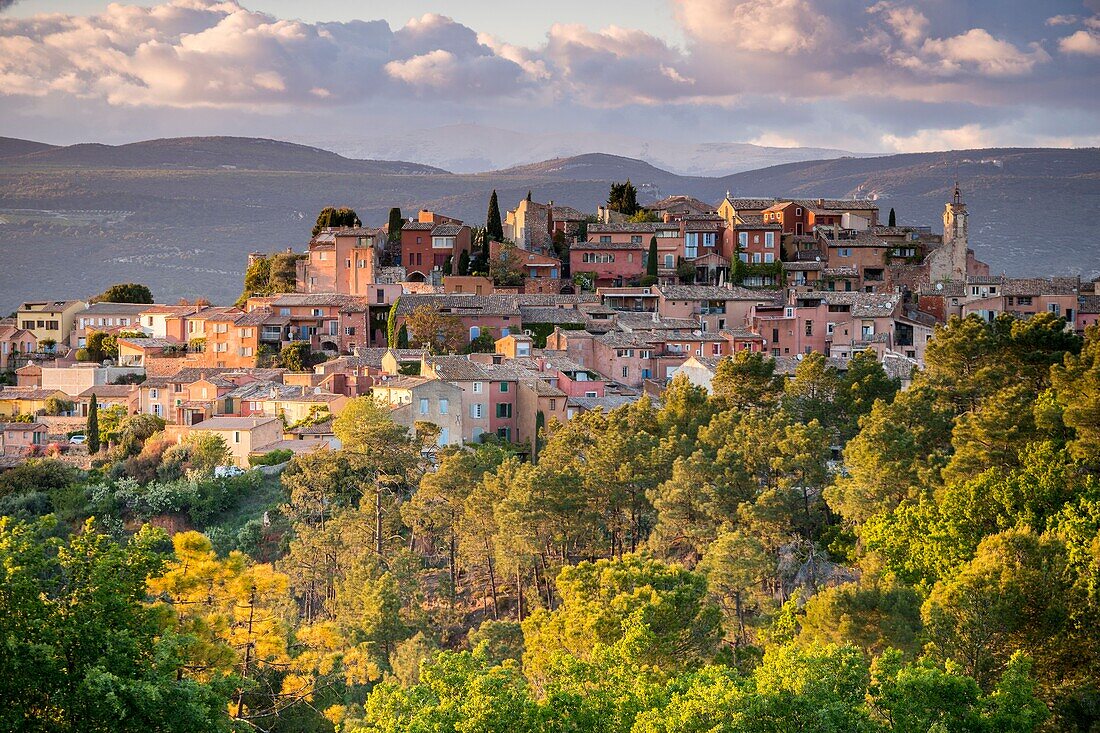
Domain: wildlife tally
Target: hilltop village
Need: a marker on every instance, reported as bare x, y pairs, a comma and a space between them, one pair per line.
545, 313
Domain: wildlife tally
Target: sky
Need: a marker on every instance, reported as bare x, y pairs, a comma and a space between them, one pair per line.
863, 75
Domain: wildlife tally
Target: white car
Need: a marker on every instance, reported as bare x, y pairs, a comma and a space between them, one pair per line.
78, 439
227, 471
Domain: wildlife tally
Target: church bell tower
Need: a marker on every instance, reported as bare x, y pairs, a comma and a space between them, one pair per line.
955, 234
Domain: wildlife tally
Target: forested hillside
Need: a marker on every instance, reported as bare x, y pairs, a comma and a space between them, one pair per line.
820, 553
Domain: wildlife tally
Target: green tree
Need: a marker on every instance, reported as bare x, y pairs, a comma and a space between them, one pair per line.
296, 357
602, 601
330, 216
494, 230
623, 198
464, 263
812, 393
394, 224
893, 220
125, 293
874, 614
747, 381
1013, 596
901, 448
92, 427
439, 332
864, 382
83, 649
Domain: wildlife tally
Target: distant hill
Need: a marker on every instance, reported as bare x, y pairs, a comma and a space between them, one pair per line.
473, 148
181, 215
245, 153
11, 147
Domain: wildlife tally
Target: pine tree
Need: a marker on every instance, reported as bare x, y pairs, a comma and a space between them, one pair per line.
651, 261
92, 430
494, 230
395, 224
893, 217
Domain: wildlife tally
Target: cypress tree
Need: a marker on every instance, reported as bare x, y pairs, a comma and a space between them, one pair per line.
448, 265
464, 263
494, 230
403, 338
893, 217
391, 324
396, 222
528, 194
92, 429
651, 261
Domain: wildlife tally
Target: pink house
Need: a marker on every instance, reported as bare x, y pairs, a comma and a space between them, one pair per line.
13, 342
17, 438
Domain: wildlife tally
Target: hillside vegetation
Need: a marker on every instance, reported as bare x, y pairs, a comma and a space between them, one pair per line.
705, 563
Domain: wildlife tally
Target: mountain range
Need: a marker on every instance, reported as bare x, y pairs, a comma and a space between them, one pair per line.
182, 214
471, 148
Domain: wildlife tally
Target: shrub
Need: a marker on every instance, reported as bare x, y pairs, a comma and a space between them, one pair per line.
271, 458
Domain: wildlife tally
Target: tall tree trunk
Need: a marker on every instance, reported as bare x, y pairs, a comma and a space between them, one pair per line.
378, 521
493, 587
519, 594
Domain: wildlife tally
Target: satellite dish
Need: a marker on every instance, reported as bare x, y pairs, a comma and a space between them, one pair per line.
939, 286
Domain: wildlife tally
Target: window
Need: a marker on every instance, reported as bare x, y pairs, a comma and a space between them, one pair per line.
809, 328
743, 239
444, 405
443, 242
362, 264
829, 327
756, 258
1023, 300
477, 410
504, 409
691, 245
153, 393
349, 330
284, 311
504, 433
475, 331
477, 387
553, 404
590, 394
316, 312
769, 239
769, 257
844, 252
635, 238
157, 409
444, 436
624, 372
423, 406
503, 386
1054, 308
798, 211
605, 239
744, 257
669, 260
347, 263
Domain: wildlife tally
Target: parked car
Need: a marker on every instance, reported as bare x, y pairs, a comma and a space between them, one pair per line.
227, 471
78, 439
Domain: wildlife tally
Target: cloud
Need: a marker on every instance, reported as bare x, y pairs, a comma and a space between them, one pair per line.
1083, 42
908, 24
978, 51
615, 66
772, 26
209, 53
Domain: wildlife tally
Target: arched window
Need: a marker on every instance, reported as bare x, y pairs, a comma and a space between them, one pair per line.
475, 331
